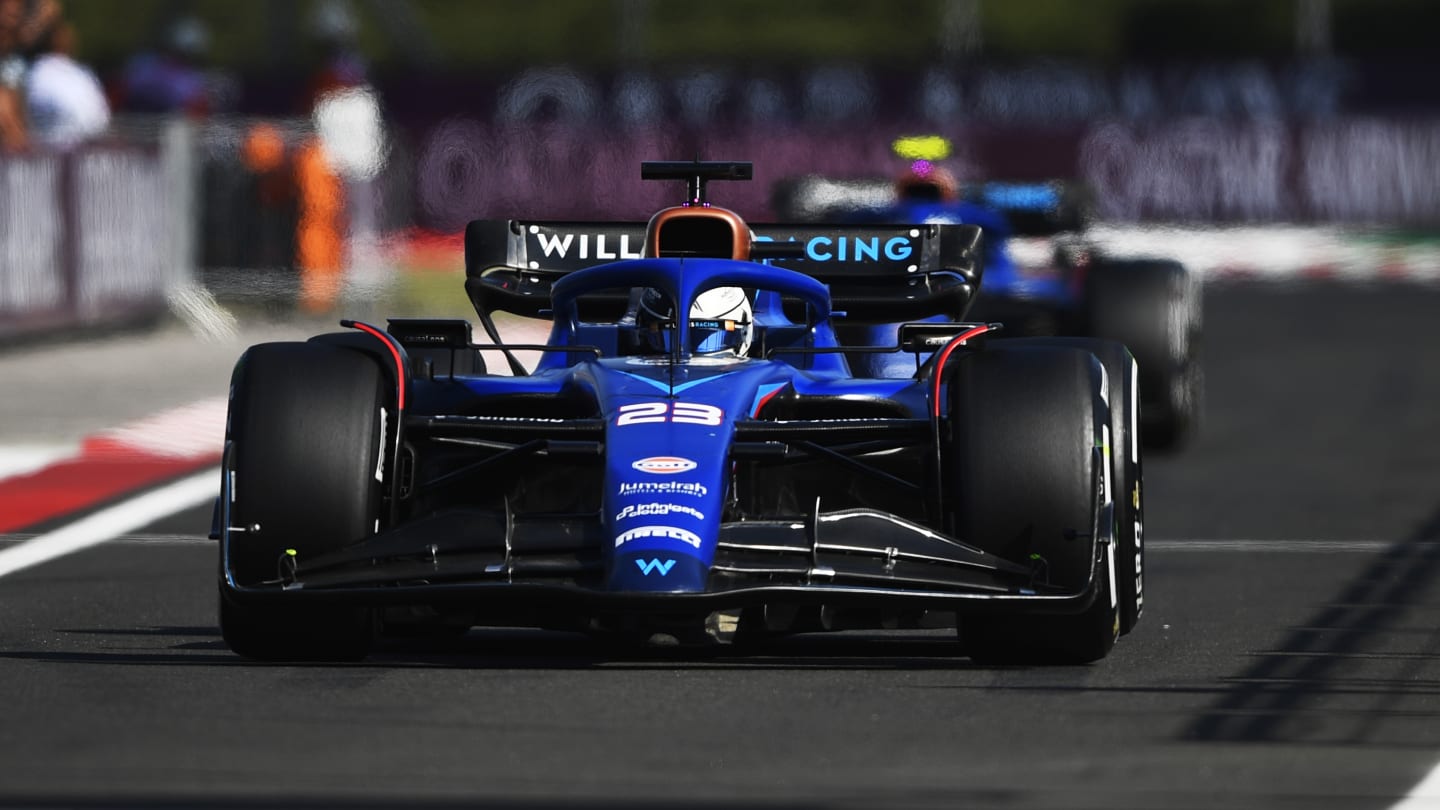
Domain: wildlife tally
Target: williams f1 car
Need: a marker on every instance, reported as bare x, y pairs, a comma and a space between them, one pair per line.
690, 456
1043, 277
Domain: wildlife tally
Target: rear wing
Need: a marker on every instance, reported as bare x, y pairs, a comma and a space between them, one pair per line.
1030, 208
875, 272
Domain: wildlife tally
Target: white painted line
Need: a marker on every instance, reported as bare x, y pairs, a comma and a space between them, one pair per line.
189, 431
1291, 546
1424, 796
16, 460
123, 517
148, 539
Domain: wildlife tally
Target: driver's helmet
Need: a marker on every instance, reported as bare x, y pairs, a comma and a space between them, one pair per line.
924, 181
721, 321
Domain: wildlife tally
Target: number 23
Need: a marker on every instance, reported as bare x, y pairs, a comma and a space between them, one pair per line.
691, 413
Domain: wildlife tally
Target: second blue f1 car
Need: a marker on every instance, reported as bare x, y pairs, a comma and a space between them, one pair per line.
690, 455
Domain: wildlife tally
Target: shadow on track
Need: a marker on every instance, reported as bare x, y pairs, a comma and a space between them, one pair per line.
1339, 677
525, 649
518, 649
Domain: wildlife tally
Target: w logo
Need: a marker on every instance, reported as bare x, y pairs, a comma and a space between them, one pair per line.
648, 566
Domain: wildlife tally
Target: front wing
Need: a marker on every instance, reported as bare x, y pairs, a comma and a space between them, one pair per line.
854, 557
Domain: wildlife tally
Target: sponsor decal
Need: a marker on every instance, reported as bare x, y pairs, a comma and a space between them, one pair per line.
658, 509
653, 564
664, 465
559, 246
856, 248
1139, 568
664, 488
667, 532
844, 248
529, 420
1139, 553
685, 413
613, 246
380, 454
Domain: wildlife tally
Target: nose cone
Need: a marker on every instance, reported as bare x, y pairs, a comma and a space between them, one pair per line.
664, 508
667, 467
658, 571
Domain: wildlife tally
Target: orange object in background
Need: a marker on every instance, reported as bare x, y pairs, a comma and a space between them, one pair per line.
319, 194
319, 242
264, 148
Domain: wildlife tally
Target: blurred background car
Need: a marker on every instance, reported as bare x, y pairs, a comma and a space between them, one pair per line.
1060, 284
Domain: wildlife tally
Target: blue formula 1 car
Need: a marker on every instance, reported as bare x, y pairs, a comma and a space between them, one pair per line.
1066, 287
691, 456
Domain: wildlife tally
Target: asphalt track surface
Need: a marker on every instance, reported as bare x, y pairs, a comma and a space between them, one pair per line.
1289, 655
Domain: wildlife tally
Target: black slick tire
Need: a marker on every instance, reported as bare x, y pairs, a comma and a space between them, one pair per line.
1126, 465
1153, 306
1021, 470
305, 443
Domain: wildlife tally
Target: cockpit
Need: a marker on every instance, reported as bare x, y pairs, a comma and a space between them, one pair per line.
721, 320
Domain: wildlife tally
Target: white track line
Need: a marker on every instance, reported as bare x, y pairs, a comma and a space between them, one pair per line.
1424, 796
188, 431
123, 517
147, 539
1291, 546
20, 459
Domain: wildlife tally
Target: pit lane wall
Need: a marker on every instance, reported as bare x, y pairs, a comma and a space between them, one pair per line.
96, 237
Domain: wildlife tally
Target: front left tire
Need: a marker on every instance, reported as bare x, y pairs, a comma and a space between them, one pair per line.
306, 445
1126, 469
1024, 481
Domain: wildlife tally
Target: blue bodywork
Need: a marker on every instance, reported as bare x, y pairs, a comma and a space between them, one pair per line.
699, 451
1009, 293
627, 477
1003, 277
669, 421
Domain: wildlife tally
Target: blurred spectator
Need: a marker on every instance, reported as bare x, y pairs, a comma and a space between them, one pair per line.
65, 102
21, 25
341, 66
12, 73
335, 169
172, 79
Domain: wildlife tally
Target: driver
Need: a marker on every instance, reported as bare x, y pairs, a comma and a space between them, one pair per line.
925, 182
721, 322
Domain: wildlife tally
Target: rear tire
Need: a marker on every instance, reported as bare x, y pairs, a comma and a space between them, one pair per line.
1022, 472
305, 449
1153, 306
